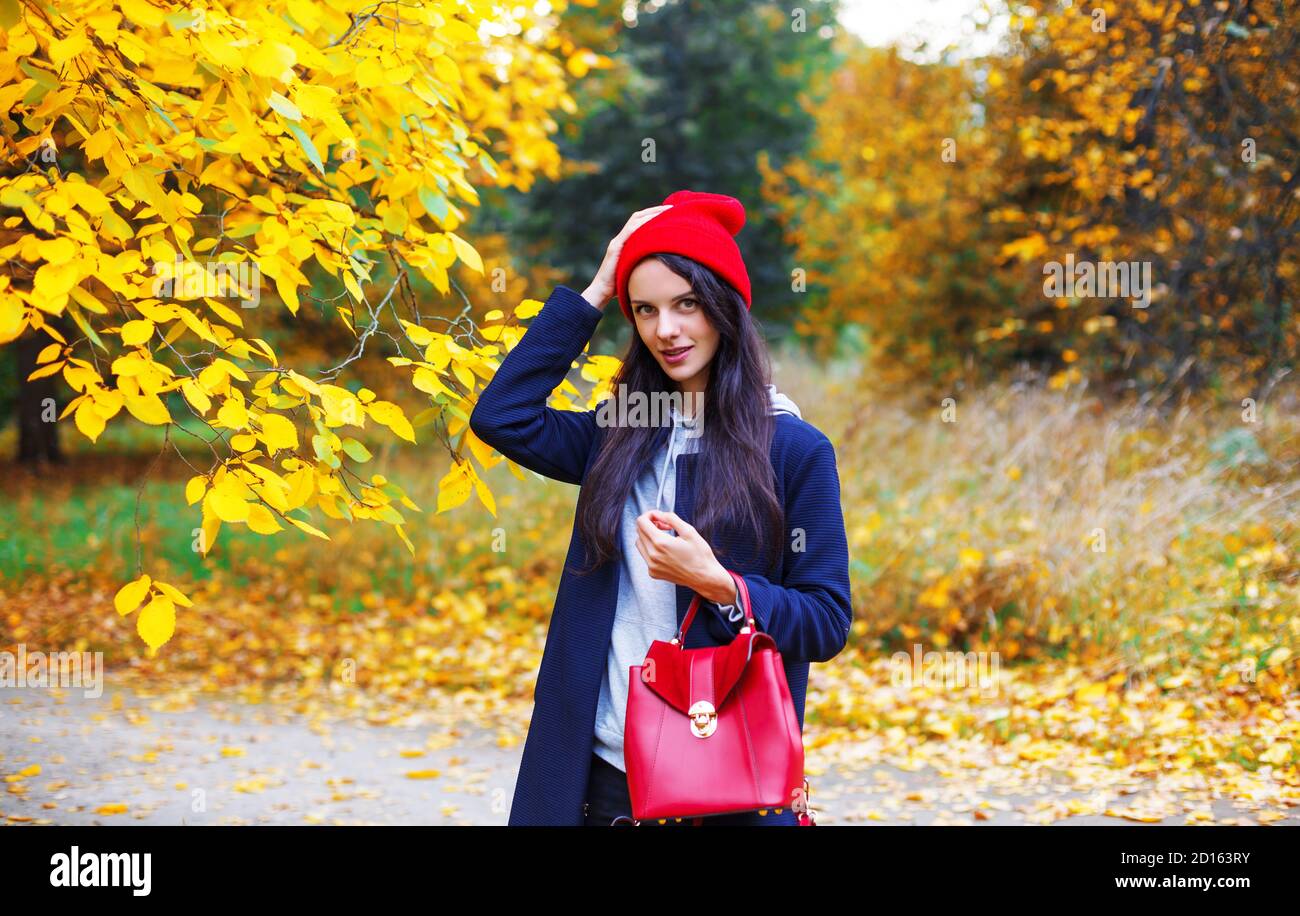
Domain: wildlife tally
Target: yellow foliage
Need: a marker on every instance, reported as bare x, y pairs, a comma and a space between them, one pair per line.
218, 146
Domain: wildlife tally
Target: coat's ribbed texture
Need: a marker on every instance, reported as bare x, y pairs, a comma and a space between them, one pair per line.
803, 602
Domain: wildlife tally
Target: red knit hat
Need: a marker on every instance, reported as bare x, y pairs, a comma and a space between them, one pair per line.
699, 226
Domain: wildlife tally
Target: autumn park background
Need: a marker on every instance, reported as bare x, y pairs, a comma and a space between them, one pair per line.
263, 494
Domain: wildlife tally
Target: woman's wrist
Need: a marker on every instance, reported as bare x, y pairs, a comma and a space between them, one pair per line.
721, 588
593, 297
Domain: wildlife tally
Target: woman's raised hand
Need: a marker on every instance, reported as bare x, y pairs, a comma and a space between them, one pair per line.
602, 288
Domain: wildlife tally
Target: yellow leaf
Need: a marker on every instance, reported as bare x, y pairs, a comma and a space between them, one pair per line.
427, 381
129, 596
51, 369
197, 397
446, 70
88, 420
137, 332
211, 527
148, 408
308, 528
350, 282
174, 593
970, 558
278, 432
87, 197
233, 414
465, 251
261, 520
157, 622
456, 31
195, 489
274, 60
389, 414
484, 494
142, 13
481, 450
1091, 693
288, 291
52, 282
302, 484
226, 504
455, 486
1026, 249
61, 51
528, 308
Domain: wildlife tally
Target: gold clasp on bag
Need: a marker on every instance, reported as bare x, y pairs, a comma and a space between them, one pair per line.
704, 718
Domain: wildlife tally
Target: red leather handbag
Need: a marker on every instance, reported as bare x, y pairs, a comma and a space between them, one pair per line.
713, 730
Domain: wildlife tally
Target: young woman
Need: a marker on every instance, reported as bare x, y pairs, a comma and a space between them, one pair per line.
733, 479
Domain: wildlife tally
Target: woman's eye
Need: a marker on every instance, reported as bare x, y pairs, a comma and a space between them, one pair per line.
689, 303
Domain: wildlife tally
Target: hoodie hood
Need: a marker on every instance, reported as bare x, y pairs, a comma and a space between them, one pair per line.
682, 426
781, 403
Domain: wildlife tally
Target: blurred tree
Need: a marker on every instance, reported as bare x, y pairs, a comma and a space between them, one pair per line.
698, 92
1160, 133
1170, 132
893, 227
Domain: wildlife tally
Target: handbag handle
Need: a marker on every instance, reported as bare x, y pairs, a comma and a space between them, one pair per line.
742, 589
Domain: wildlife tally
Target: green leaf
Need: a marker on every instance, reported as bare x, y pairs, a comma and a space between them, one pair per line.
75, 311
284, 106
43, 77
162, 114
307, 147
435, 203
356, 451
426, 416
182, 20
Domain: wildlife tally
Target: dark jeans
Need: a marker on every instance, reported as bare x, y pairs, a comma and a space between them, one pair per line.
609, 804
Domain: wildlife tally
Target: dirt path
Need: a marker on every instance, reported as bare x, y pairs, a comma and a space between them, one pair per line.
213, 759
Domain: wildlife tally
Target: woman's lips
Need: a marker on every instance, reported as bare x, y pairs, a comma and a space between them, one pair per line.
673, 358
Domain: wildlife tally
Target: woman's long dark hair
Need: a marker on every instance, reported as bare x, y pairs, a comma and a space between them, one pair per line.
733, 464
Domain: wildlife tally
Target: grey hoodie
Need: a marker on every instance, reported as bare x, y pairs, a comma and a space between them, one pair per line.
647, 608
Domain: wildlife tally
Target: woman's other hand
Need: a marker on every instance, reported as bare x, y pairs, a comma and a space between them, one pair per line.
686, 559
601, 289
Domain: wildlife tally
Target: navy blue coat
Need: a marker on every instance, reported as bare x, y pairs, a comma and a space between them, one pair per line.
803, 601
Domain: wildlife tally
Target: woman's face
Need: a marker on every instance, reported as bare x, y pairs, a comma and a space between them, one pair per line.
672, 323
